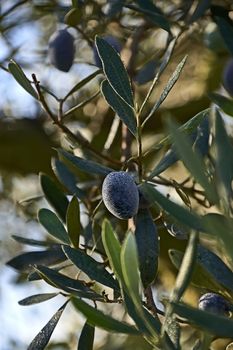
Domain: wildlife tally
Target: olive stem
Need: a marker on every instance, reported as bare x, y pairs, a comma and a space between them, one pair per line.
139, 143
130, 64
88, 40
60, 110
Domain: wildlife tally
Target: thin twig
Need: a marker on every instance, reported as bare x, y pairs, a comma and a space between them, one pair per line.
12, 8
85, 36
189, 191
80, 105
75, 137
60, 111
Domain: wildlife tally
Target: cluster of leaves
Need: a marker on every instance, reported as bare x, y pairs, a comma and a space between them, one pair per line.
133, 260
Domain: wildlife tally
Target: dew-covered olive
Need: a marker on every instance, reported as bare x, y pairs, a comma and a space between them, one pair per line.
120, 194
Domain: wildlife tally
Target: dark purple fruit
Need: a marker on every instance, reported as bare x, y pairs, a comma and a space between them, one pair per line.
214, 303
120, 195
62, 50
111, 40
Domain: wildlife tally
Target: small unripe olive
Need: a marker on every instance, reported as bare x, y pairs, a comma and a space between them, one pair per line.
120, 194
214, 303
111, 40
228, 77
62, 50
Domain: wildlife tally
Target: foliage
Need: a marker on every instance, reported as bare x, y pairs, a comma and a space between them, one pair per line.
120, 262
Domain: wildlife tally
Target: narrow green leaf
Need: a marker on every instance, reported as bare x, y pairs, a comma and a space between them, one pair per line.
67, 178
133, 313
59, 280
130, 267
85, 165
123, 110
152, 13
193, 161
224, 159
201, 278
186, 128
53, 225
168, 160
113, 251
215, 266
69, 285
147, 72
148, 6
86, 339
181, 214
199, 139
168, 54
32, 242
201, 7
80, 105
115, 71
73, 222
147, 241
209, 322
225, 25
183, 279
226, 104
186, 269
37, 298
171, 82
221, 227
112, 248
94, 269
21, 78
43, 337
99, 319
132, 281
54, 196
81, 83
25, 261
163, 65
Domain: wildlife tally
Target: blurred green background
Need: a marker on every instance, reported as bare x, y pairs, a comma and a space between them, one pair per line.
28, 137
